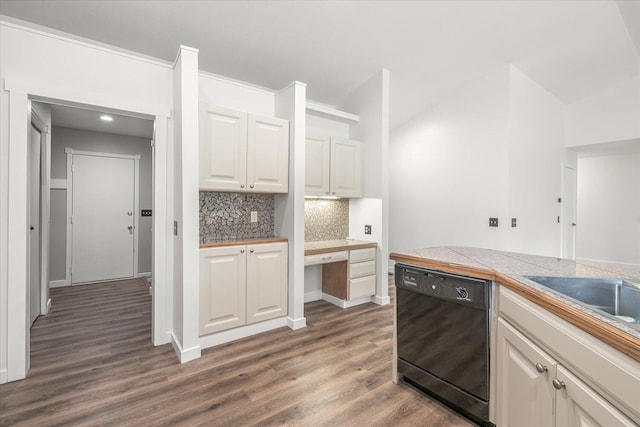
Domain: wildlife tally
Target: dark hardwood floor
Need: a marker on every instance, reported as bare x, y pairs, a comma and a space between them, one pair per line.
92, 363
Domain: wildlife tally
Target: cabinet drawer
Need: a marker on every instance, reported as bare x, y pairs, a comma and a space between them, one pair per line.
326, 258
362, 286
360, 269
360, 255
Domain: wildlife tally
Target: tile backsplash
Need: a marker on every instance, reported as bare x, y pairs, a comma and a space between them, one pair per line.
326, 219
227, 216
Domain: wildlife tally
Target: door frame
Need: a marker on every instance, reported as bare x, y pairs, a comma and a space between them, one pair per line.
563, 195
45, 208
16, 331
136, 205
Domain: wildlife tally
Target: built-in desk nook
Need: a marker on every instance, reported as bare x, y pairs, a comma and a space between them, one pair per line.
348, 270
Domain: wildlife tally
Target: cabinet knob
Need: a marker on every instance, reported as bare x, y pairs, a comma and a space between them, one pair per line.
251, 186
334, 193
327, 193
241, 185
251, 251
241, 251
557, 384
541, 368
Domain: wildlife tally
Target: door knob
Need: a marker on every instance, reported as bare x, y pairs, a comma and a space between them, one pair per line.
130, 213
573, 224
130, 228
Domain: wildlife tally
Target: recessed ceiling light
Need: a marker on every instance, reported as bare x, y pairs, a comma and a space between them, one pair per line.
106, 118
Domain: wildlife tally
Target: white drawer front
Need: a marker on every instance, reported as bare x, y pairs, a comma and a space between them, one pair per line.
360, 255
326, 258
360, 269
362, 286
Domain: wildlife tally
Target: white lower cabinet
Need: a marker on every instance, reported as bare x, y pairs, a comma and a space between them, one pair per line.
578, 405
524, 390
535, 388
241, 285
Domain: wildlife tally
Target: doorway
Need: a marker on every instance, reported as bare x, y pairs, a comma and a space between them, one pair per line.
568, 212
35, 240
16, 331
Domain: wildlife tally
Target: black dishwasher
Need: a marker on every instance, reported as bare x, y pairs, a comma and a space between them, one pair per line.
443, 337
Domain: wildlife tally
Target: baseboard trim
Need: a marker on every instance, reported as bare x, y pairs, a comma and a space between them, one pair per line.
313, 296
343, 303
185, 355
381, 300
59, 283
295, 324
147, 274
48, 306
241, 332
4, 377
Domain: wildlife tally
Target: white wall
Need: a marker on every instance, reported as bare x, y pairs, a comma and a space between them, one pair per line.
608, 215
449, 170
77, 139
75, 70
610, 115
536, 152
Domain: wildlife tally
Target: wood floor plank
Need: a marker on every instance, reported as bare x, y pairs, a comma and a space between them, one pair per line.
92, 363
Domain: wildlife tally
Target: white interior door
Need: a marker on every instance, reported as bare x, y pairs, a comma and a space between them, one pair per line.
34, 221
568, 214
103, 217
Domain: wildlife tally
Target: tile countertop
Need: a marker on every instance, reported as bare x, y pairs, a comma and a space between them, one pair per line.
214, 243
507, 269
325, 246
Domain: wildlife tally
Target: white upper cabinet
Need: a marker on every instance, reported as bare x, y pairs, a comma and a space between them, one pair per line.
223, 149
268, 154
334, 167
317, 165
243, 152
347, 169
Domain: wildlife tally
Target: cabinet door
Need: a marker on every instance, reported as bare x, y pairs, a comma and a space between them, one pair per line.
525, 395
317, 165
266, 282
578, 405
347, 170
223, 149
222, 288
268, 155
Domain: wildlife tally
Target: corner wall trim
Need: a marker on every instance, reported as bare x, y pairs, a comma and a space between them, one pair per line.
295, 324
185, 355
3, 376
343, 303
381, 300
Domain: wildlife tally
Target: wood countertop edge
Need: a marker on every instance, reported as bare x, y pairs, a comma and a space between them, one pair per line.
340, 248
616, 338
243, 242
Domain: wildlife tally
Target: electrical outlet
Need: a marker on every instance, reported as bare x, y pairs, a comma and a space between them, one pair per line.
145, 212
514, 222
254, 216
367, 229
493, 222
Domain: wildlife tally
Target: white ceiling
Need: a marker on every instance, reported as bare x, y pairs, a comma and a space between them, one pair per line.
572, 48
78, 118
